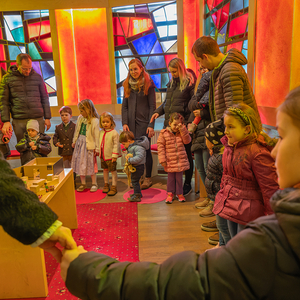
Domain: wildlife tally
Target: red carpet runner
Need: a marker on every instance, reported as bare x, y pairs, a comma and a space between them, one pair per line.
109, 228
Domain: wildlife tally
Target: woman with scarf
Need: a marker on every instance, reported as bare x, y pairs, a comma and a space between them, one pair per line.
138, 105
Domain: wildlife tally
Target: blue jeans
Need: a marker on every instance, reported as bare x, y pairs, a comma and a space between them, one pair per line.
234, 228
135, 178
224, 231
201, 159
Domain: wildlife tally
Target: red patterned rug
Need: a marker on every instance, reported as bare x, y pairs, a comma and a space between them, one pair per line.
86, 196
109, 228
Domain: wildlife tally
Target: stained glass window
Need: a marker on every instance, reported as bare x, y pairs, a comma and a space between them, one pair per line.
226, 21
148, 32
28, 32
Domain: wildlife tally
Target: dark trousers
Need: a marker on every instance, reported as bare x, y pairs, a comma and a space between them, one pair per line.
189, 173
174, 183
149, 162
135, 178
19, 126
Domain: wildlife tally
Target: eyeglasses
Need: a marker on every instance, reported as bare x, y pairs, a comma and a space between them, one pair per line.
26, 69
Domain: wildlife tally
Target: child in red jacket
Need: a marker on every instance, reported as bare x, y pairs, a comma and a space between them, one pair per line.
172, 155
249, 174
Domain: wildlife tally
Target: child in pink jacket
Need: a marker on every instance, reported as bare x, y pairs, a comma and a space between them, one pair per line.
172, 155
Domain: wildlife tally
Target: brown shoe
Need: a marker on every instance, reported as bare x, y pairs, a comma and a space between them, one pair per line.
146, 184
203, 203
207, 211
210, 226
214, 239
113, 191
105, 188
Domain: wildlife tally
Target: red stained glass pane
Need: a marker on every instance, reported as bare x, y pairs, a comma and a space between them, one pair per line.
119, 40
125, 25
238, 25
169, 58
216, 2
224, 15
37, 29
117, 29
2, 53
216, 17
210, 4
235, 45
46, 45
139, 25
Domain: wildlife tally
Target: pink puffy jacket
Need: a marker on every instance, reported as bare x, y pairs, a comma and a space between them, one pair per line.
171, 149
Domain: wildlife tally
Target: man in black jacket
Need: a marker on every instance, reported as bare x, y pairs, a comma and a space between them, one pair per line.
23, 95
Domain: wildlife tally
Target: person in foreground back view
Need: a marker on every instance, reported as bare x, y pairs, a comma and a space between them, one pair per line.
260, 262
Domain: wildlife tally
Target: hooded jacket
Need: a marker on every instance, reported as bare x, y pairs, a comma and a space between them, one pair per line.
171, 149
260, 262
248, 182
24, 97
229, 85
138, 150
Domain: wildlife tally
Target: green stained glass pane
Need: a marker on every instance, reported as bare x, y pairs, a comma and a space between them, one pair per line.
144, 60
18, 35
13, 52
206, 9
33, 52
164, 80
209, 25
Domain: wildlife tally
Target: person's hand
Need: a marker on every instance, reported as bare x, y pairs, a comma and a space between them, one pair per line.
6, 128
150, 132
180, 125
114, 159
73, 145
58, 144
196, 113
154, 117
164, 164
63, 236
128, 156
48, 124
33, 147
31, 144
125, 127
67, 258
96, 153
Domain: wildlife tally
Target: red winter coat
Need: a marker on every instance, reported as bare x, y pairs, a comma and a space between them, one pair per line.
171, 149
248, 182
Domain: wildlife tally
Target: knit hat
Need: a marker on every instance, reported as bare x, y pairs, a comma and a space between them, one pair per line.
33, 124
215, 131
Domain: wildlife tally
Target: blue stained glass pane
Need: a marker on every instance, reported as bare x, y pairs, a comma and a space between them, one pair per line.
121, 70
221, 38
18, 35
23, 49
157, 48
120, 95
13, 21
245, 52
126, 52
51, 63
172, 30
144, 44
159, 15
246, 3
33, 52
45, 12
164, 80
245, 44
117, 53
13, 52
170, 76
235, 6
46, 70
127, 60
223, 30
171, 12
141, 9
222, 49
245, 68
144, 59
9, 37
31, 14
162, 31
154, 6
156, 62
167, 45
36, 67
157, 80
123, 9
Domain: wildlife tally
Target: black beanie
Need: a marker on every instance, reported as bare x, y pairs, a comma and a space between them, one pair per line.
215, 131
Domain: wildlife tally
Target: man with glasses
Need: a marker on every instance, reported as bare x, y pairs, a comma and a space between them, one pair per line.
23, 95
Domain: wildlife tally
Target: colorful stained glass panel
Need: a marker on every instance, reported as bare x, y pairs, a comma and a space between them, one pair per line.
236, 5
139, 25
144, 44
46, 45
156, 62
238, 25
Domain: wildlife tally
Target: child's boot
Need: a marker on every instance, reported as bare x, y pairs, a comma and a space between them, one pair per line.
181, 198
112, 191
105, 188
169, 199
94, 188
135, 198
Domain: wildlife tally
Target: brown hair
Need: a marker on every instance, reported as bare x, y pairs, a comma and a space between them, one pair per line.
175, 116
205, 45
125, 136
88, 104
291, 106
23, 56
144, 74
65, 109
107, 115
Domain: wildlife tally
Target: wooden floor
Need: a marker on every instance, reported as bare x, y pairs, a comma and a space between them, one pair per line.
164, 229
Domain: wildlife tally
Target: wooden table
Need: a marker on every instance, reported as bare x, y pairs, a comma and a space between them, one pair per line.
22, 268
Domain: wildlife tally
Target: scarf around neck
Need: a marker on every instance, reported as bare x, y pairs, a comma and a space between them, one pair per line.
134, 83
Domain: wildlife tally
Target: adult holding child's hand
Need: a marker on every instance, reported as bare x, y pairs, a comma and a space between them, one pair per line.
138, 106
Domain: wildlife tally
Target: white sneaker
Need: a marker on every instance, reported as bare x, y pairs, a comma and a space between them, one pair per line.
94, 188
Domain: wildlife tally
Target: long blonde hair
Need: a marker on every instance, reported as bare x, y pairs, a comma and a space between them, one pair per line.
185, 77
88, 104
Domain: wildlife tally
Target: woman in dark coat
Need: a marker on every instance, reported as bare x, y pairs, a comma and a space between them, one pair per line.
138, 106
180, 90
